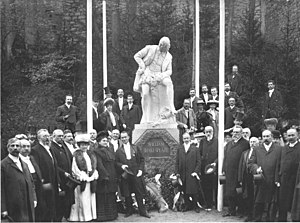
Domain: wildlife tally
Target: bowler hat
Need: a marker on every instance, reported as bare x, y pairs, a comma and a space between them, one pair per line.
209, 169
72, 183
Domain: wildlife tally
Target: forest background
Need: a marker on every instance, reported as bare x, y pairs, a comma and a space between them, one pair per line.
43, 53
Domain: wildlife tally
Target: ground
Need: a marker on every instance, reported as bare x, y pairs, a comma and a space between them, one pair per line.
171, 216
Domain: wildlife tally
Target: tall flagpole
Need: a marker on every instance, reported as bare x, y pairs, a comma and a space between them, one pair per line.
104, 45
197, 46
89, 66
221, 101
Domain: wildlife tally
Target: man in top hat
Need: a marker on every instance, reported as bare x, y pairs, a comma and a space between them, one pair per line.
273, 105
209, 156
245, 178
265, 159
205, 96
290, 157
188, 167
129, 159
232, 154
120, 102
130, 115
109, 119
67, 115
203, 118
18, 197
186, 119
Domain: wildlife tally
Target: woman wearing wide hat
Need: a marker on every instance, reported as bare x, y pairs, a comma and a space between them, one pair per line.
213, 104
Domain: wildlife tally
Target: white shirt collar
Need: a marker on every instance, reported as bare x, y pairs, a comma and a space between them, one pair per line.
293, 144
68, 106
271, 91
186, 146
15, 159
267, 147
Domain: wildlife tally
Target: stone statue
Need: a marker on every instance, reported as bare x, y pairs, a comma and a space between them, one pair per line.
153, 81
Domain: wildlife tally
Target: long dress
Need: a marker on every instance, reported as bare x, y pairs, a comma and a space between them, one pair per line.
106, 185
84, 208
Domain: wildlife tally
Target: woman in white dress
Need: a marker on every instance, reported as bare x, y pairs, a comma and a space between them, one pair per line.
84, 169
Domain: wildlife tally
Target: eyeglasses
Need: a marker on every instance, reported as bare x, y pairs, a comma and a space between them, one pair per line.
14, 145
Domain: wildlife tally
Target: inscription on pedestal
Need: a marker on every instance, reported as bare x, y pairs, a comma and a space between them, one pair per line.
156, 147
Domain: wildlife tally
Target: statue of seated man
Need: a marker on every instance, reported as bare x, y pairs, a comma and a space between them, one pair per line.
153, 80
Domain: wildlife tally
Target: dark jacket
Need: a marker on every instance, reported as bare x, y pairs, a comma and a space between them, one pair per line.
290, 157
186, 164
106, 122
194, 104
295, 212
116, 107
230, 115
106, 167
17, 191
131, 117
272, 106
232, 156
63, 110
208, 152
206, 106
49, 171
269, 162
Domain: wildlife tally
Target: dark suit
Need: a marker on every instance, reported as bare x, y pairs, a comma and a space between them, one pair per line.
206, 106
106, 121
232, 156
130, 117
246, 178
290, 157
235, 81
49, 171
232, 94
132, 184
63, 157
265, 191
230, 115
272, 106
116, 107
96, 120
70, 122
182, 119
17, 191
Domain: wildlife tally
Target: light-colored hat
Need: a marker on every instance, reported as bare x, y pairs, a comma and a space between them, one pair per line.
213, 101
108, 101
200, 101
199, 134
82, 138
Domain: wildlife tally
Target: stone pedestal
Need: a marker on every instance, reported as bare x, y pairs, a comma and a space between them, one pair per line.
159, 145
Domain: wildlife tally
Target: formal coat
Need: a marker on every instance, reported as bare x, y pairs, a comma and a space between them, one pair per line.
203, 119
106, 121
182, 119
232, 156
96, 121
238, 100
70, 122
144, 58
272, 106
245, 176
136, 163
116, 107
17, 191
230, 115
185, 165
201, 96
63, 157
107, 184
49, 171
269, 162
235, 81
290, 157
194, 103
131, 116
295, 213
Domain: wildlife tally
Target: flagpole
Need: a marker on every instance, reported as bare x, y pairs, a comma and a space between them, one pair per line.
89, 66
197, 46
221, 101
104, 45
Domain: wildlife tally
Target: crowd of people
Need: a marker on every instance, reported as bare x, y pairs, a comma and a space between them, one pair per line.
78, 176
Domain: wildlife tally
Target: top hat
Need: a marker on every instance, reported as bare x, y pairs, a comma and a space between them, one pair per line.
108, 101
200, 101
107, 90
213, 101
209, 169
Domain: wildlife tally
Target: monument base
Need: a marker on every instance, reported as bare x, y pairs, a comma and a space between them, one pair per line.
159, 145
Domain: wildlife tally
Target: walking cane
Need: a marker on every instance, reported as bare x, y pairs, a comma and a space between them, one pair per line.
201, 190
